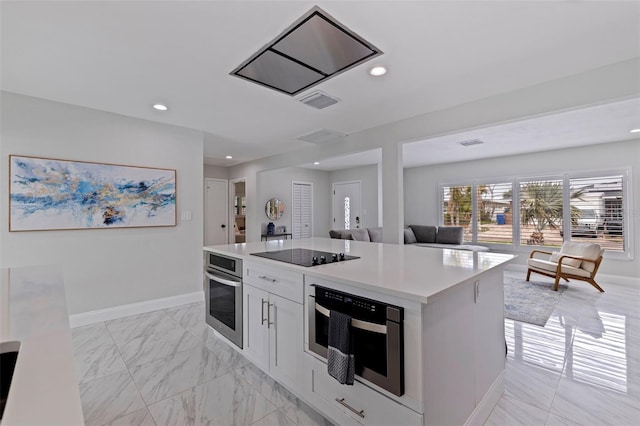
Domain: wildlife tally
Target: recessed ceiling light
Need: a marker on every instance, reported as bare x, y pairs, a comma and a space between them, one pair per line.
316, 163
634, 131
160, 107
228, 157
378, 71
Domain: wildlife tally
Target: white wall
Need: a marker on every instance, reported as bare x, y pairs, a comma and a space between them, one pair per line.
107, 267
368, 176
215, 172
278, 184
421, 203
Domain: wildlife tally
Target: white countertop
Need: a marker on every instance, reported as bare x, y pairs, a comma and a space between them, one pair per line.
33, 310
416, 273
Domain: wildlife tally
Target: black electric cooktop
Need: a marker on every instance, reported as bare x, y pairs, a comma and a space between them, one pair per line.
305, 257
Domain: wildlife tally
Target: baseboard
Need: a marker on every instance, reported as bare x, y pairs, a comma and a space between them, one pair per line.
484, 408
100, 315
631, 282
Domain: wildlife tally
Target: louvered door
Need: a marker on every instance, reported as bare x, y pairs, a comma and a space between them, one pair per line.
302, 208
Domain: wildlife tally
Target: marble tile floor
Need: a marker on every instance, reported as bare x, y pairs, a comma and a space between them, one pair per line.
167, 368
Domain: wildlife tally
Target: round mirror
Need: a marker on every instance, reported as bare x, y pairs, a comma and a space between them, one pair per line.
274, 209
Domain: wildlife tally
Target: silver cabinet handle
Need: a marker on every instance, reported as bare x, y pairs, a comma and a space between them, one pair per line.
262, 315
266, 278
269, 323
344, 404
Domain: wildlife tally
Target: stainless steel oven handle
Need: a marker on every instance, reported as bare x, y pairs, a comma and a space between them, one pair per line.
363, 325
223, 281
344, 404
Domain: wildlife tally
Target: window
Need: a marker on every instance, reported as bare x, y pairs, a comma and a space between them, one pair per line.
457, 208
597, 211
495, 213
524, 212
541, 209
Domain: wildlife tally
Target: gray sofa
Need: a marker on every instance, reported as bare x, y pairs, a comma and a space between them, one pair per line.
361, 234
450, 237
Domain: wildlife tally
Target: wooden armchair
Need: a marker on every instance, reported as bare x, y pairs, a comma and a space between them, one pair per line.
579, 261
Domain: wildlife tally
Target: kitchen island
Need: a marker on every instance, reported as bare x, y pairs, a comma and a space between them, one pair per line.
453, 337
34, 319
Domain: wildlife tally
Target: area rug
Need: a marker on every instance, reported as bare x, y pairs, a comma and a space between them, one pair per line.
530, 301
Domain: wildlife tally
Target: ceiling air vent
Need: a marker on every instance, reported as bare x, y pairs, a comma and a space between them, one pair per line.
322, 136
318, 100
471, 142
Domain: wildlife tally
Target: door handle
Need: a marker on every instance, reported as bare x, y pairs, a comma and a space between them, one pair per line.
223, 226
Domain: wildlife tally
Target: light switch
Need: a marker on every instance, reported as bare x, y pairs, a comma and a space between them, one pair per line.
186, 215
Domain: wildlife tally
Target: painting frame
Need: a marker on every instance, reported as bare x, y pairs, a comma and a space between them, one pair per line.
53, 194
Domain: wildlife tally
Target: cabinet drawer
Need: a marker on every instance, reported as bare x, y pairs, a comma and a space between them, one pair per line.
287, 284
360, 402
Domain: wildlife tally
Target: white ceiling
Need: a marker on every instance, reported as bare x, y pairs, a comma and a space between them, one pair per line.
124, 56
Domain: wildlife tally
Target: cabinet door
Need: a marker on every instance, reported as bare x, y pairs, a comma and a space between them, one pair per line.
286, 341
256, 334
489, 332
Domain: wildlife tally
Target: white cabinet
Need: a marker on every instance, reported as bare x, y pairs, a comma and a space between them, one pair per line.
273, 323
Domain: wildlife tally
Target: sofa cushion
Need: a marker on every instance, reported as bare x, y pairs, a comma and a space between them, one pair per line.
375, 235
346, 235
335, 233
449, 235
424, 234
409, 236
360, 234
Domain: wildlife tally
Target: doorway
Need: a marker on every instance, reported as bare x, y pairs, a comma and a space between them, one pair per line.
215, 212
346, 205
239, 211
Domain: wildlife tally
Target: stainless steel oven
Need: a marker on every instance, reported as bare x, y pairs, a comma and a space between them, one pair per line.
377, 330
223, 295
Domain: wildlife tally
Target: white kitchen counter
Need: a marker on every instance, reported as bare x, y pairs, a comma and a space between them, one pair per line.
33, 310
414, 273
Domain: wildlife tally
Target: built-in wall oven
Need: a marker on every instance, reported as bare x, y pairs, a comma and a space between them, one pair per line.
223, 296
377, 331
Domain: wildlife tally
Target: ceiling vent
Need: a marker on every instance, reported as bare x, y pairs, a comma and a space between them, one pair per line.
313, 49
322, 136
318, 100
471, 142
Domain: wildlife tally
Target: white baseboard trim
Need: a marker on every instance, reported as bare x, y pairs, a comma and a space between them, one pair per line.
603, 279
484, 408
100, 315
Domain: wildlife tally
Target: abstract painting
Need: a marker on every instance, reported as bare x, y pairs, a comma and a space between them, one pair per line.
50, 194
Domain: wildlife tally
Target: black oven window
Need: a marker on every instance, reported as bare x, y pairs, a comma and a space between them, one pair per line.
222, 303
370, 349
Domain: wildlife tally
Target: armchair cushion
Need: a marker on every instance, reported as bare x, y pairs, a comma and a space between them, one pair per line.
555, 257
550, 266
585, 250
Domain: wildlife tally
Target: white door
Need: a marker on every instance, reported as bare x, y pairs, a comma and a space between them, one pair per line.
301, 217
216, 212
346, 205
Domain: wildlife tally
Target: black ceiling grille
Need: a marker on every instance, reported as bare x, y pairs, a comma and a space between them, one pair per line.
315, 48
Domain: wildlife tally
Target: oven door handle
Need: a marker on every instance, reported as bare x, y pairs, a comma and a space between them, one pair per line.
356, 323
223, 281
